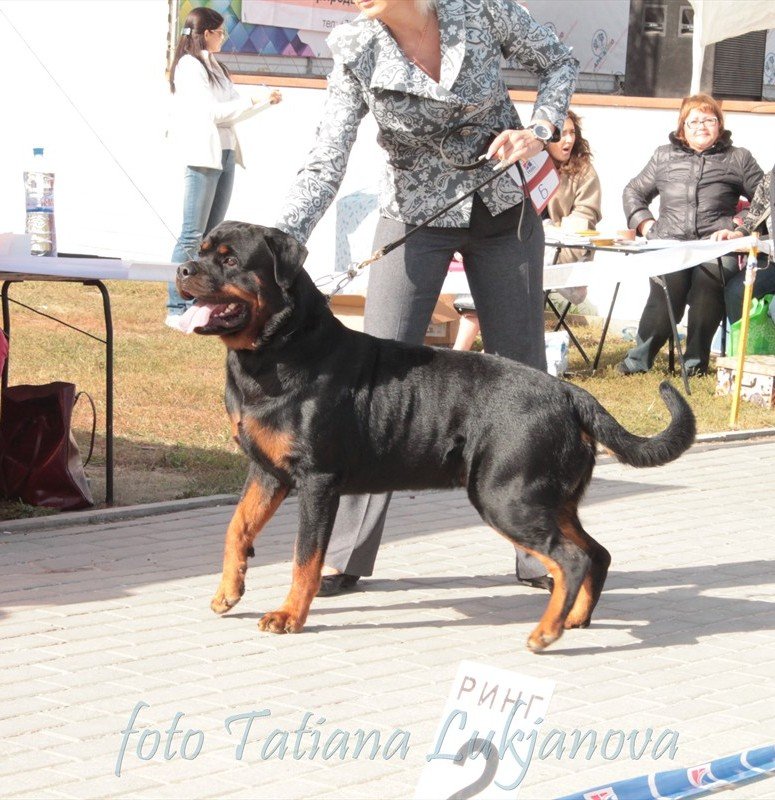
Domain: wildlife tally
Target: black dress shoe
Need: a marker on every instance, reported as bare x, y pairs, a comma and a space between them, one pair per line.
622, 369
331, 585
541, 582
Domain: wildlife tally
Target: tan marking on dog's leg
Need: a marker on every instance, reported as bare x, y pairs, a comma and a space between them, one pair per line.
292, 614
550, 626
275, 445
254, 509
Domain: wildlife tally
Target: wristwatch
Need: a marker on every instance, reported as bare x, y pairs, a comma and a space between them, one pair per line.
543, 133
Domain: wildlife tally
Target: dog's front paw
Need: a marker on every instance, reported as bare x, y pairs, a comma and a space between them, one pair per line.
280, 622
226, 597
540, 639
577, 621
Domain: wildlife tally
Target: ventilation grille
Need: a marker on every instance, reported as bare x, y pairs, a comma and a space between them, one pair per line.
738, 66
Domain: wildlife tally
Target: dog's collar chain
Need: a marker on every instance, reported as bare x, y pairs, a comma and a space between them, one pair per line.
340, 280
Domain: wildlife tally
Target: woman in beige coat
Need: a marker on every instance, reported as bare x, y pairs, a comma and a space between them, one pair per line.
575, 206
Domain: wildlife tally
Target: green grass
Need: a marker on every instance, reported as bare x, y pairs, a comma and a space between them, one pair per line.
172, 435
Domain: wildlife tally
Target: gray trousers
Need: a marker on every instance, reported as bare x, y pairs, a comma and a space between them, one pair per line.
505, 276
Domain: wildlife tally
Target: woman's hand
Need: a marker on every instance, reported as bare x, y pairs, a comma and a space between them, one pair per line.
645, 227
720, 236
511, 146
274, 98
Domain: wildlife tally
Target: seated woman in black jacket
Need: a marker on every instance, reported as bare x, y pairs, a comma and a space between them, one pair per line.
757, 218
699, 178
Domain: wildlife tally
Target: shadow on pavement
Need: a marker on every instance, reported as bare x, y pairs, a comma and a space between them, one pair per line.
682, 605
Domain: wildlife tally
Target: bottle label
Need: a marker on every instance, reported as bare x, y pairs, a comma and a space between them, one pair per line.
40, 227
39, 188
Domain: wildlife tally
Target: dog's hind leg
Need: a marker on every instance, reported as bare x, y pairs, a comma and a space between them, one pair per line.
567, 564
318, 504
600, 560
528, 524
259, 500
562, 558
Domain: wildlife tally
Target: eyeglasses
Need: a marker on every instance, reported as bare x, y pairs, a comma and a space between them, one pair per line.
708, 122
221, 32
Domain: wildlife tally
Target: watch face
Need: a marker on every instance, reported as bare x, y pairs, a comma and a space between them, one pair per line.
541, 132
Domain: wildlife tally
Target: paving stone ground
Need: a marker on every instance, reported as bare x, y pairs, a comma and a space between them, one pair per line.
97, 618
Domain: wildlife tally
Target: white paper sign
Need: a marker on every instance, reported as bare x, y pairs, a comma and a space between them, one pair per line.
309, 15
596, 30
487, 734
543, 190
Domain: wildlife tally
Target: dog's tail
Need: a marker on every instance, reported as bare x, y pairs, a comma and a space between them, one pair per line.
640, 451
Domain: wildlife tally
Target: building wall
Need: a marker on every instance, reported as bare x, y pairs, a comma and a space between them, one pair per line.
660, 64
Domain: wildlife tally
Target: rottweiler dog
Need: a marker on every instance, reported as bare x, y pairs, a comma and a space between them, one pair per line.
330, 411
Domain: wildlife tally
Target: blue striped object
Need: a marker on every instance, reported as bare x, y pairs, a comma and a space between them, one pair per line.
676, 784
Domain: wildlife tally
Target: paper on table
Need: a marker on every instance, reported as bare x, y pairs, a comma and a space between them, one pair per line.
15, 244
664, 257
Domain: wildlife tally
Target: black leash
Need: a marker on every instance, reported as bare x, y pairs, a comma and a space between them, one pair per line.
355, 269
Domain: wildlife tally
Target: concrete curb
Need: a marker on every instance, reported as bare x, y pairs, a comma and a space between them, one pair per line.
735, 436
103, 516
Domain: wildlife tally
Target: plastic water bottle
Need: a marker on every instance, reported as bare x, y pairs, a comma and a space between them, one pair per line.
39, 188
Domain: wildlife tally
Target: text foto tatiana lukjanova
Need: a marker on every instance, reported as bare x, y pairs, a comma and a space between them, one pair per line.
309, 741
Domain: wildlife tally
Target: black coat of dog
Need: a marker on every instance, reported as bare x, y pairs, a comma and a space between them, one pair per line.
330, 411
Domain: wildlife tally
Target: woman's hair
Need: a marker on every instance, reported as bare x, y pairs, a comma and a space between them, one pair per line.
580, 154
192, 42
705, 103
425, 6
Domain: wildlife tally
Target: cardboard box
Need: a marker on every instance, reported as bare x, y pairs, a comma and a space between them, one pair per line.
758, 384
348, 309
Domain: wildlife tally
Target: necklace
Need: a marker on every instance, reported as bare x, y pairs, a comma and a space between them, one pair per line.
418, 49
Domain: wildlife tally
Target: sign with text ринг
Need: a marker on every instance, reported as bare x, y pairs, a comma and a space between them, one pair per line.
487, 733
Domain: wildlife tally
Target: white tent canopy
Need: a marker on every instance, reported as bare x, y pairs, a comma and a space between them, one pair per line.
715, 20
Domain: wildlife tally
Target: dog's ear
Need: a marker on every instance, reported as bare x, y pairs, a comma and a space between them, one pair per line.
289, 256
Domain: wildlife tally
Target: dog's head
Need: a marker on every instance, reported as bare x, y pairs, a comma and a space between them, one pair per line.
240, 281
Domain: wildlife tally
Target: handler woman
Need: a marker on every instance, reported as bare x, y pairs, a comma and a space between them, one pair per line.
424, 69
206, 107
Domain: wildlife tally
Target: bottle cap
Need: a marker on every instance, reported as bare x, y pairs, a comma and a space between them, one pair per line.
37, 151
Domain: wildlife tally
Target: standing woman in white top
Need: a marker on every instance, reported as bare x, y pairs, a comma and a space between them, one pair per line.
206, 107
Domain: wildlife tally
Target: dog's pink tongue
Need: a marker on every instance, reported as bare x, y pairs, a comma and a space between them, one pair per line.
196, 317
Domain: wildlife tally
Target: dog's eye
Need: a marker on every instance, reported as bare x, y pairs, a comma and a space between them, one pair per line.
230, 261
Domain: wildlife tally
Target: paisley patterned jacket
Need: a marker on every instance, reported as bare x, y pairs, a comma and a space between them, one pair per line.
757, 217
414, 113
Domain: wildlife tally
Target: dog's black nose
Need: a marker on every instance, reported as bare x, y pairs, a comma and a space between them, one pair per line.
187, 269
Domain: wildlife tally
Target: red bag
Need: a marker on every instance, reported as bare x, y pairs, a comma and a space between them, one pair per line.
39, 459
3, 350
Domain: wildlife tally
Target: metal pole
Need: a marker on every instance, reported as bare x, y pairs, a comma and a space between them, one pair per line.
750, 277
